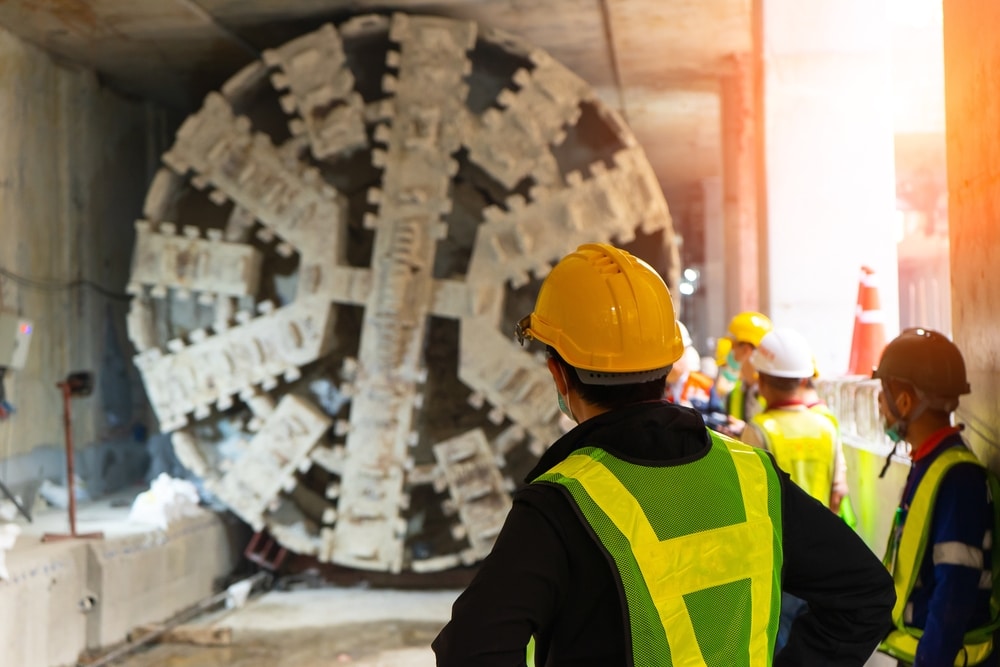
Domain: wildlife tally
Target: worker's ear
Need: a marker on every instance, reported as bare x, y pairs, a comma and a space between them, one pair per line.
558, 372
905, 400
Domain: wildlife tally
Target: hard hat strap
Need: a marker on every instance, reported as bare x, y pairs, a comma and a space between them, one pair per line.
522, 330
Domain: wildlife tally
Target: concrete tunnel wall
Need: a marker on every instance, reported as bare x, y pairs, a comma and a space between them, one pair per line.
75, 160
972, 98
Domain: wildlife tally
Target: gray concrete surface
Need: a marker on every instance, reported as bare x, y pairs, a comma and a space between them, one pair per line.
332, 626
879, 660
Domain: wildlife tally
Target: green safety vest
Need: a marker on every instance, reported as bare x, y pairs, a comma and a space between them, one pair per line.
906, 551
804, 444
697, 547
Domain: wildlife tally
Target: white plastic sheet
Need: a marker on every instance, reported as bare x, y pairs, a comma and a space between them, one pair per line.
8, 535
167, 500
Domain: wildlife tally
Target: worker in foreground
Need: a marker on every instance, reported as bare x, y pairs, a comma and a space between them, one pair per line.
940, 551
642, 538
804, 442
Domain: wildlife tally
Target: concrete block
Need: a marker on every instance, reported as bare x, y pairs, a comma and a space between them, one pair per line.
148, 577
70, 596
47, 598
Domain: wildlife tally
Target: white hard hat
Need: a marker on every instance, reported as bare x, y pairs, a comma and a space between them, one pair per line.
783, 353
685, 334
692, 359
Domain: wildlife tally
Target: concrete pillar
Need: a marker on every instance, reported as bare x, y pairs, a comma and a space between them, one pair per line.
828, 182
714, 273
739, 242
972, 112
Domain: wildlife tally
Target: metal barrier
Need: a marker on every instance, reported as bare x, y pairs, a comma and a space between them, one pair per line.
854, 400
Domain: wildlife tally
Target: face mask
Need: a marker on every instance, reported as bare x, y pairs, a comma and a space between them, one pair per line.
897, 432
731, 361
563, 408
893, 433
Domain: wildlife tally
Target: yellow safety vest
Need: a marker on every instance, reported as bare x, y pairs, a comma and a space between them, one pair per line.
697, 548
736, 402
804, 443
905, 552
824, 409
846, 512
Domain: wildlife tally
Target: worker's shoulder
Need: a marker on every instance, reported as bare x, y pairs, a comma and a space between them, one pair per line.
543, 496
800, 416
963, 477
547, 507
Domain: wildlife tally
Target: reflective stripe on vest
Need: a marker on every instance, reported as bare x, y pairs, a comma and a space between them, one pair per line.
803, 443
907, 555
697, 547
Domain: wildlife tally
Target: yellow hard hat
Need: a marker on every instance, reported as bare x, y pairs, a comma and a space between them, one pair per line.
723, 347
606, 312
749, 327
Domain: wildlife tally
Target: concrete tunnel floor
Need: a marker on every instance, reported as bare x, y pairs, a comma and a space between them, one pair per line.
330, 626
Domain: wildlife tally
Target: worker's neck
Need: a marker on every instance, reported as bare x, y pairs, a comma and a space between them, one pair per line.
925, 426
582, 410
780, 399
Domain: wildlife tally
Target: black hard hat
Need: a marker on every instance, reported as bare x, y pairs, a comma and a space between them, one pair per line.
925, 359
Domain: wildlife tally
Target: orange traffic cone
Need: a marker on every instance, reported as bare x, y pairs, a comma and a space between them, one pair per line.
869, 327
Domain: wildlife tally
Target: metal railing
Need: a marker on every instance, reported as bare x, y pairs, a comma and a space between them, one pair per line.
854, 400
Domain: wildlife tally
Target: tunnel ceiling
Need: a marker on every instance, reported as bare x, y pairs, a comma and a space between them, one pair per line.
659, 61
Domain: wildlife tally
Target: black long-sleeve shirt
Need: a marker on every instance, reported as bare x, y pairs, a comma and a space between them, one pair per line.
547, 576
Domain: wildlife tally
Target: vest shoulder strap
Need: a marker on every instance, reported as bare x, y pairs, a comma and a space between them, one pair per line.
913, 542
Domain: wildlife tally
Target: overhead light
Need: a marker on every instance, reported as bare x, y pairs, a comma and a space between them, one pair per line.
686, 288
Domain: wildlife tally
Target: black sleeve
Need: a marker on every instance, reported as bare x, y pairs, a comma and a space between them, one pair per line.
849, 591
513, 595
